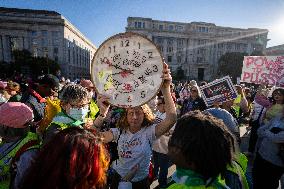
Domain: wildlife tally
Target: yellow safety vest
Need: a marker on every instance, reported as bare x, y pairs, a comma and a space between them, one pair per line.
239, 167
236, 105
32, 140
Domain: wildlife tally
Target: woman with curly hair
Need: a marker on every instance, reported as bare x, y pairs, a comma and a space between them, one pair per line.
135, 135
74, 158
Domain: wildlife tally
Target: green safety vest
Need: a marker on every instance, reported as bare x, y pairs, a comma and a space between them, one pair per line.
31, 141
239, 167
182, 186
64, 121
188, 179
236, 105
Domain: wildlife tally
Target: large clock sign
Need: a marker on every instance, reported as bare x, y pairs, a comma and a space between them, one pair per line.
127, 68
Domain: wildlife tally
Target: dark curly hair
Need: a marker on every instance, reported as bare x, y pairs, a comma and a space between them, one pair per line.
73, 93
203, 142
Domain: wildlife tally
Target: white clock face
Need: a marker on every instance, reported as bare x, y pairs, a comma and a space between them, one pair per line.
127, 68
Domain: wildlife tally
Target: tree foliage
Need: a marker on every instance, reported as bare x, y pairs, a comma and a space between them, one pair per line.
179, 74
231, 64
257, 53
37, 65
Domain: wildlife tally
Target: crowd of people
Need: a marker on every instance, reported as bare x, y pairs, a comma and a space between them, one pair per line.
60, 134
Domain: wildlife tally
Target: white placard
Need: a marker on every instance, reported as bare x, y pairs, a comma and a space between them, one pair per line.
263, 69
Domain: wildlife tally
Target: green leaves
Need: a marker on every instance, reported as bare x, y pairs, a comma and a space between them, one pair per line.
231, 64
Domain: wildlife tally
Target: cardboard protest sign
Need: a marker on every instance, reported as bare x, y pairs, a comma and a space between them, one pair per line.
221, 90
263, 69
127, 68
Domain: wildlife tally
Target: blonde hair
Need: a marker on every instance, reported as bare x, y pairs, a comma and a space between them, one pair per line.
149, 118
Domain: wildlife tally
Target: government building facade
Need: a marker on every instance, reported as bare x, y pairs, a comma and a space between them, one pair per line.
197, 46
45, 34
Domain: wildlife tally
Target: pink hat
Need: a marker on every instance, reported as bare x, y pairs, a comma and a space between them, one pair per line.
3, 85
86, 83
15, 114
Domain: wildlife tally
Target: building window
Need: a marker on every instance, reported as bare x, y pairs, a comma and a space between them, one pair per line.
179, 28
179, 59
143, 24
135, 24
68, 55
55, 38
160, 40
199, 59
139, 24
44, 42
55, 50
35, 52
180, 42
34, 33
161, 27
169, 58
229, 46
169, 49
203, 29
238, 46
55, 34
170, 42
44, 33
200, 74
171, 27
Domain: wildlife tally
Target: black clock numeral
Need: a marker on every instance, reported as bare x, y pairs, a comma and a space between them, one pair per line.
111, 49
125, 43
143, 94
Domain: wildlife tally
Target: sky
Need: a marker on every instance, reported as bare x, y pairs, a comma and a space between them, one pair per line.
100, 19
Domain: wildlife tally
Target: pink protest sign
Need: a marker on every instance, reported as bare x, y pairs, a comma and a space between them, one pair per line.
263, 69
127, 68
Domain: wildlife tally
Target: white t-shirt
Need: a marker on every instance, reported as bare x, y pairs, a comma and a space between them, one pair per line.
161, 144
134, 149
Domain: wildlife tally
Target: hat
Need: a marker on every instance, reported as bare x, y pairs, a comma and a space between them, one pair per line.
15, 114
86, 83
49, 80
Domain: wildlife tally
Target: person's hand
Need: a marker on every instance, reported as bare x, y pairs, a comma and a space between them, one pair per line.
103, 104
166, 76
89, 123
130, 175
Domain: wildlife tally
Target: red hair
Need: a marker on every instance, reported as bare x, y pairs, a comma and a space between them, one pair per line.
74, 158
